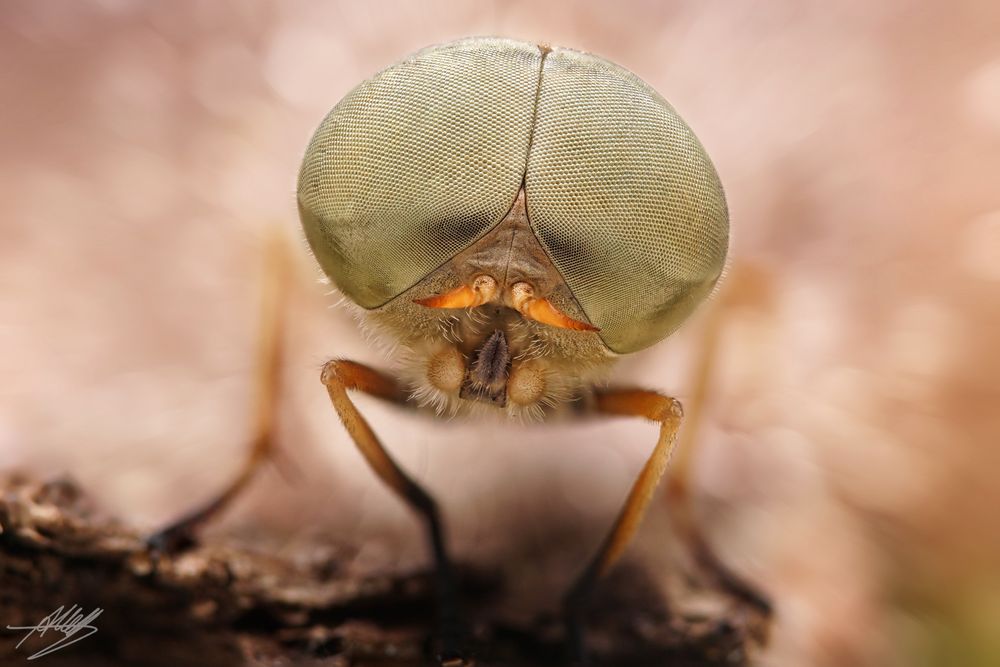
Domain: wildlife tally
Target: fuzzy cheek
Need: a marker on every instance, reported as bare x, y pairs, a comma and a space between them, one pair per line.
446, 370
526, 384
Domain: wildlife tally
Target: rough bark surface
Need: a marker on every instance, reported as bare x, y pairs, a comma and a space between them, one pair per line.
223, 604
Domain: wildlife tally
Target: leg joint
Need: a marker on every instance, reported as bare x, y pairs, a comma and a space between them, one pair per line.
331, 373
668, 409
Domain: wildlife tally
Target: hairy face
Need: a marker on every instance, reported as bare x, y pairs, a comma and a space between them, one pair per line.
488, 359
494, 329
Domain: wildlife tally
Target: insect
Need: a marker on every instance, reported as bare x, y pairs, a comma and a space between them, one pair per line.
515, 218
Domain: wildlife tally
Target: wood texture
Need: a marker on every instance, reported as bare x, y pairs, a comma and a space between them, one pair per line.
225, 604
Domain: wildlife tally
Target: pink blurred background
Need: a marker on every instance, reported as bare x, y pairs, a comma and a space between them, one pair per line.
850, 455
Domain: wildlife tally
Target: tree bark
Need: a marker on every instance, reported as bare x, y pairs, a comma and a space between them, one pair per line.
223, 604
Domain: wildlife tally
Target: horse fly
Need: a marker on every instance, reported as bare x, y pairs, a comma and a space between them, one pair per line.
514, 217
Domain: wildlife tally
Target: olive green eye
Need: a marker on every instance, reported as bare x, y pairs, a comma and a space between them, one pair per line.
612, 167
418, 162
428, 156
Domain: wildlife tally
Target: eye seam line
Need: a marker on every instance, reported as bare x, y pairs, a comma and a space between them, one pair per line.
531, 136
545, 50
534, 111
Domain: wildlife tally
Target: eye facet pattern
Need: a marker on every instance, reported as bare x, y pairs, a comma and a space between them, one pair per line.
416, 163
420, 161
624, 198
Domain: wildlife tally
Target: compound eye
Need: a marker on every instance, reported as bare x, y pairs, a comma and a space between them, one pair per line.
416, 163
426, 157
624, 199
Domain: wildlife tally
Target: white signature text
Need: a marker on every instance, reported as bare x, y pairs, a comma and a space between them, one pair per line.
70, 622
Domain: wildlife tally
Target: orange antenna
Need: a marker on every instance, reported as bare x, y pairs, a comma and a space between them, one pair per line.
483, 289
541, 310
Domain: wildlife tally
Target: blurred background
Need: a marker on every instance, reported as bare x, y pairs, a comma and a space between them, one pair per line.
848, 461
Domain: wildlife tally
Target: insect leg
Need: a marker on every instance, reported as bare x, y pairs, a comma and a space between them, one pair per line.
632, 403
181, 533
341, 375
678, 482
